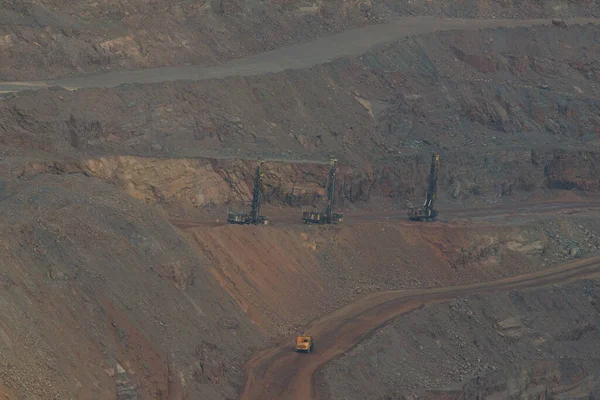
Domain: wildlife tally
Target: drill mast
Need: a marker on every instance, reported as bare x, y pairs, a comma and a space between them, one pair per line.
433, 178
329, 216
255, 211
331, 190
254, 216
426, 212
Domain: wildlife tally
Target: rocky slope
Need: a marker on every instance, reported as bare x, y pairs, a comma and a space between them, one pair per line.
512, 122
540, 343
53, 38
101, 298
452, 90
113, 299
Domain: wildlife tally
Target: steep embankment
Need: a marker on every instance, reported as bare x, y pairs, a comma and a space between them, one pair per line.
528, 344
465, 177
101, 298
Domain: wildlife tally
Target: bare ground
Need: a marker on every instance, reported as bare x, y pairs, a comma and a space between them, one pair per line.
280, 371
523, 344
112, 301
99, 290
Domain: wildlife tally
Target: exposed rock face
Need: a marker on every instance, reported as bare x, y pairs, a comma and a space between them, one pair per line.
573, 171
126, 389
466, 177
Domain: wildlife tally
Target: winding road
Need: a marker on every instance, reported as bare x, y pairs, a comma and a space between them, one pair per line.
352, 42
281, 373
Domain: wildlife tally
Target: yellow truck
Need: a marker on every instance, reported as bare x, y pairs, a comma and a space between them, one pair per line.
305, 343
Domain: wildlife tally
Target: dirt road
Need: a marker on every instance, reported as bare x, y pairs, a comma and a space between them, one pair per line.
473, 214
281, 373
352, 42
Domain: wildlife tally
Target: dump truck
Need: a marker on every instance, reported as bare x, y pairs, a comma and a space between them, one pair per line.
427, 212
305, 343
253, 217
329, 216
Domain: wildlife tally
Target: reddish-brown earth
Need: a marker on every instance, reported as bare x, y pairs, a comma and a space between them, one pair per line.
279, 372
118, 282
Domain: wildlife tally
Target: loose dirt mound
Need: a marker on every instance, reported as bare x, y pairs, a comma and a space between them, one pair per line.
98, 290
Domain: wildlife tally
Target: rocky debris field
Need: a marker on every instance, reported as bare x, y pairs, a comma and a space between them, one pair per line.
582, 237
98, 291
390, 256
531, 344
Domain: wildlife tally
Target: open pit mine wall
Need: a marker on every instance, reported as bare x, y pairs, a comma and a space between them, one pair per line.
55, 37
473, 177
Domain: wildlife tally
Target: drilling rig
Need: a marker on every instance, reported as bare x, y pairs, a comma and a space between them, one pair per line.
329, 216
426, 212
254, 216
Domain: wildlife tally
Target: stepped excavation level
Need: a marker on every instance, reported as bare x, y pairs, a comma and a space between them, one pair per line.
328, 200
